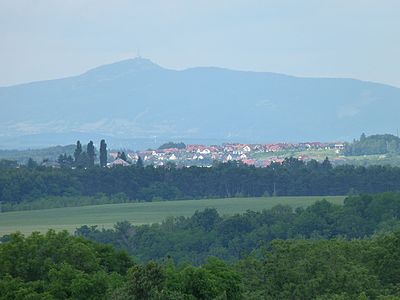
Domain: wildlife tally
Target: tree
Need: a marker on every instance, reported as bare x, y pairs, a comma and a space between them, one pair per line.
122, 156
145, 282
90, 153
169, 145
363, 137
65, 161
58, 266
103, 153
83, 160
139, 163
31, 163
326, 164
78, 151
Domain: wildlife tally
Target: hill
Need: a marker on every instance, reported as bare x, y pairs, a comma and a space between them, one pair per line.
51, 153
374, 144
136, 98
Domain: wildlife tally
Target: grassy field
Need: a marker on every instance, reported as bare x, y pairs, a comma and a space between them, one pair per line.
138, 213
335, 158
317, 154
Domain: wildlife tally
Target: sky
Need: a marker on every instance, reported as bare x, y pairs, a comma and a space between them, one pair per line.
48, 39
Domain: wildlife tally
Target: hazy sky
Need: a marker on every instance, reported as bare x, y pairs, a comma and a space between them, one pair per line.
46, 39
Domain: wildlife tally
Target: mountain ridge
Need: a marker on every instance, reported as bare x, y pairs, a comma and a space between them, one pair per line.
129, 60
136, 98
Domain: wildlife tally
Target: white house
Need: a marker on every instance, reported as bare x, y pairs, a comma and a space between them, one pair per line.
204, 151
243, 156
246, 149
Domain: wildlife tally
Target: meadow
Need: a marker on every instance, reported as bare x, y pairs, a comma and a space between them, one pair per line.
335, 158
105, 216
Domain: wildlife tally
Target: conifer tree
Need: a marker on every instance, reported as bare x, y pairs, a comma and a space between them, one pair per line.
31, 163
123, 156
90, 154
78, 151
103, 153
139, 162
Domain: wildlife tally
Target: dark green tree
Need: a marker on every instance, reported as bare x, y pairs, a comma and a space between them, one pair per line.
78, 151
122, 156
103, 153
90, 154
83, 160
139, 163
65, 161
31, 163
326, 164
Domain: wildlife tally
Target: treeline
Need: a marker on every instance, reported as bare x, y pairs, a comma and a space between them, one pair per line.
170, 145
59, 266
374, 144
230, 238
233, 179
64, 201
37, 155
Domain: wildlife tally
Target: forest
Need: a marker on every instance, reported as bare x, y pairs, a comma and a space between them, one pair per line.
233, 179
314, 257
206, 233
373, 144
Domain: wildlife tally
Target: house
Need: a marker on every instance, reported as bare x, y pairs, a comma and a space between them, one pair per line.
205, 151
243, 156
50, 164
246, 148
133, 156
339, 146
118, 162
114, 155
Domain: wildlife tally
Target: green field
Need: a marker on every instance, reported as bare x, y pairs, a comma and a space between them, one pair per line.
335, 158
138, 213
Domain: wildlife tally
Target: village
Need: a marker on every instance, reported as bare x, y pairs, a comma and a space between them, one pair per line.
259, 155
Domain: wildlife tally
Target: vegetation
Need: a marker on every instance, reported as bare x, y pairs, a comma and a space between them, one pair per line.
105, 216
37, 155
60, 266
324, 269
103, 153
64, 201
206, 233
233, 179
374, 144
83, 159
170, 145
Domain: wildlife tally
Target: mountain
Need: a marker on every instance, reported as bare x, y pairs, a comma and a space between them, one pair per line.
137, 99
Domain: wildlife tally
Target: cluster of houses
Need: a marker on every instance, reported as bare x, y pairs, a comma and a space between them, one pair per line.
260, 155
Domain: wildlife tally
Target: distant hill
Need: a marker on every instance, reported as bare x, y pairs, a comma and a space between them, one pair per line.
38, 155
136, 100
374, 144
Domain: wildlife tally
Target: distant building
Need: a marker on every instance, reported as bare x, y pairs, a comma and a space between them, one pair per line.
51, 164
118, 162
